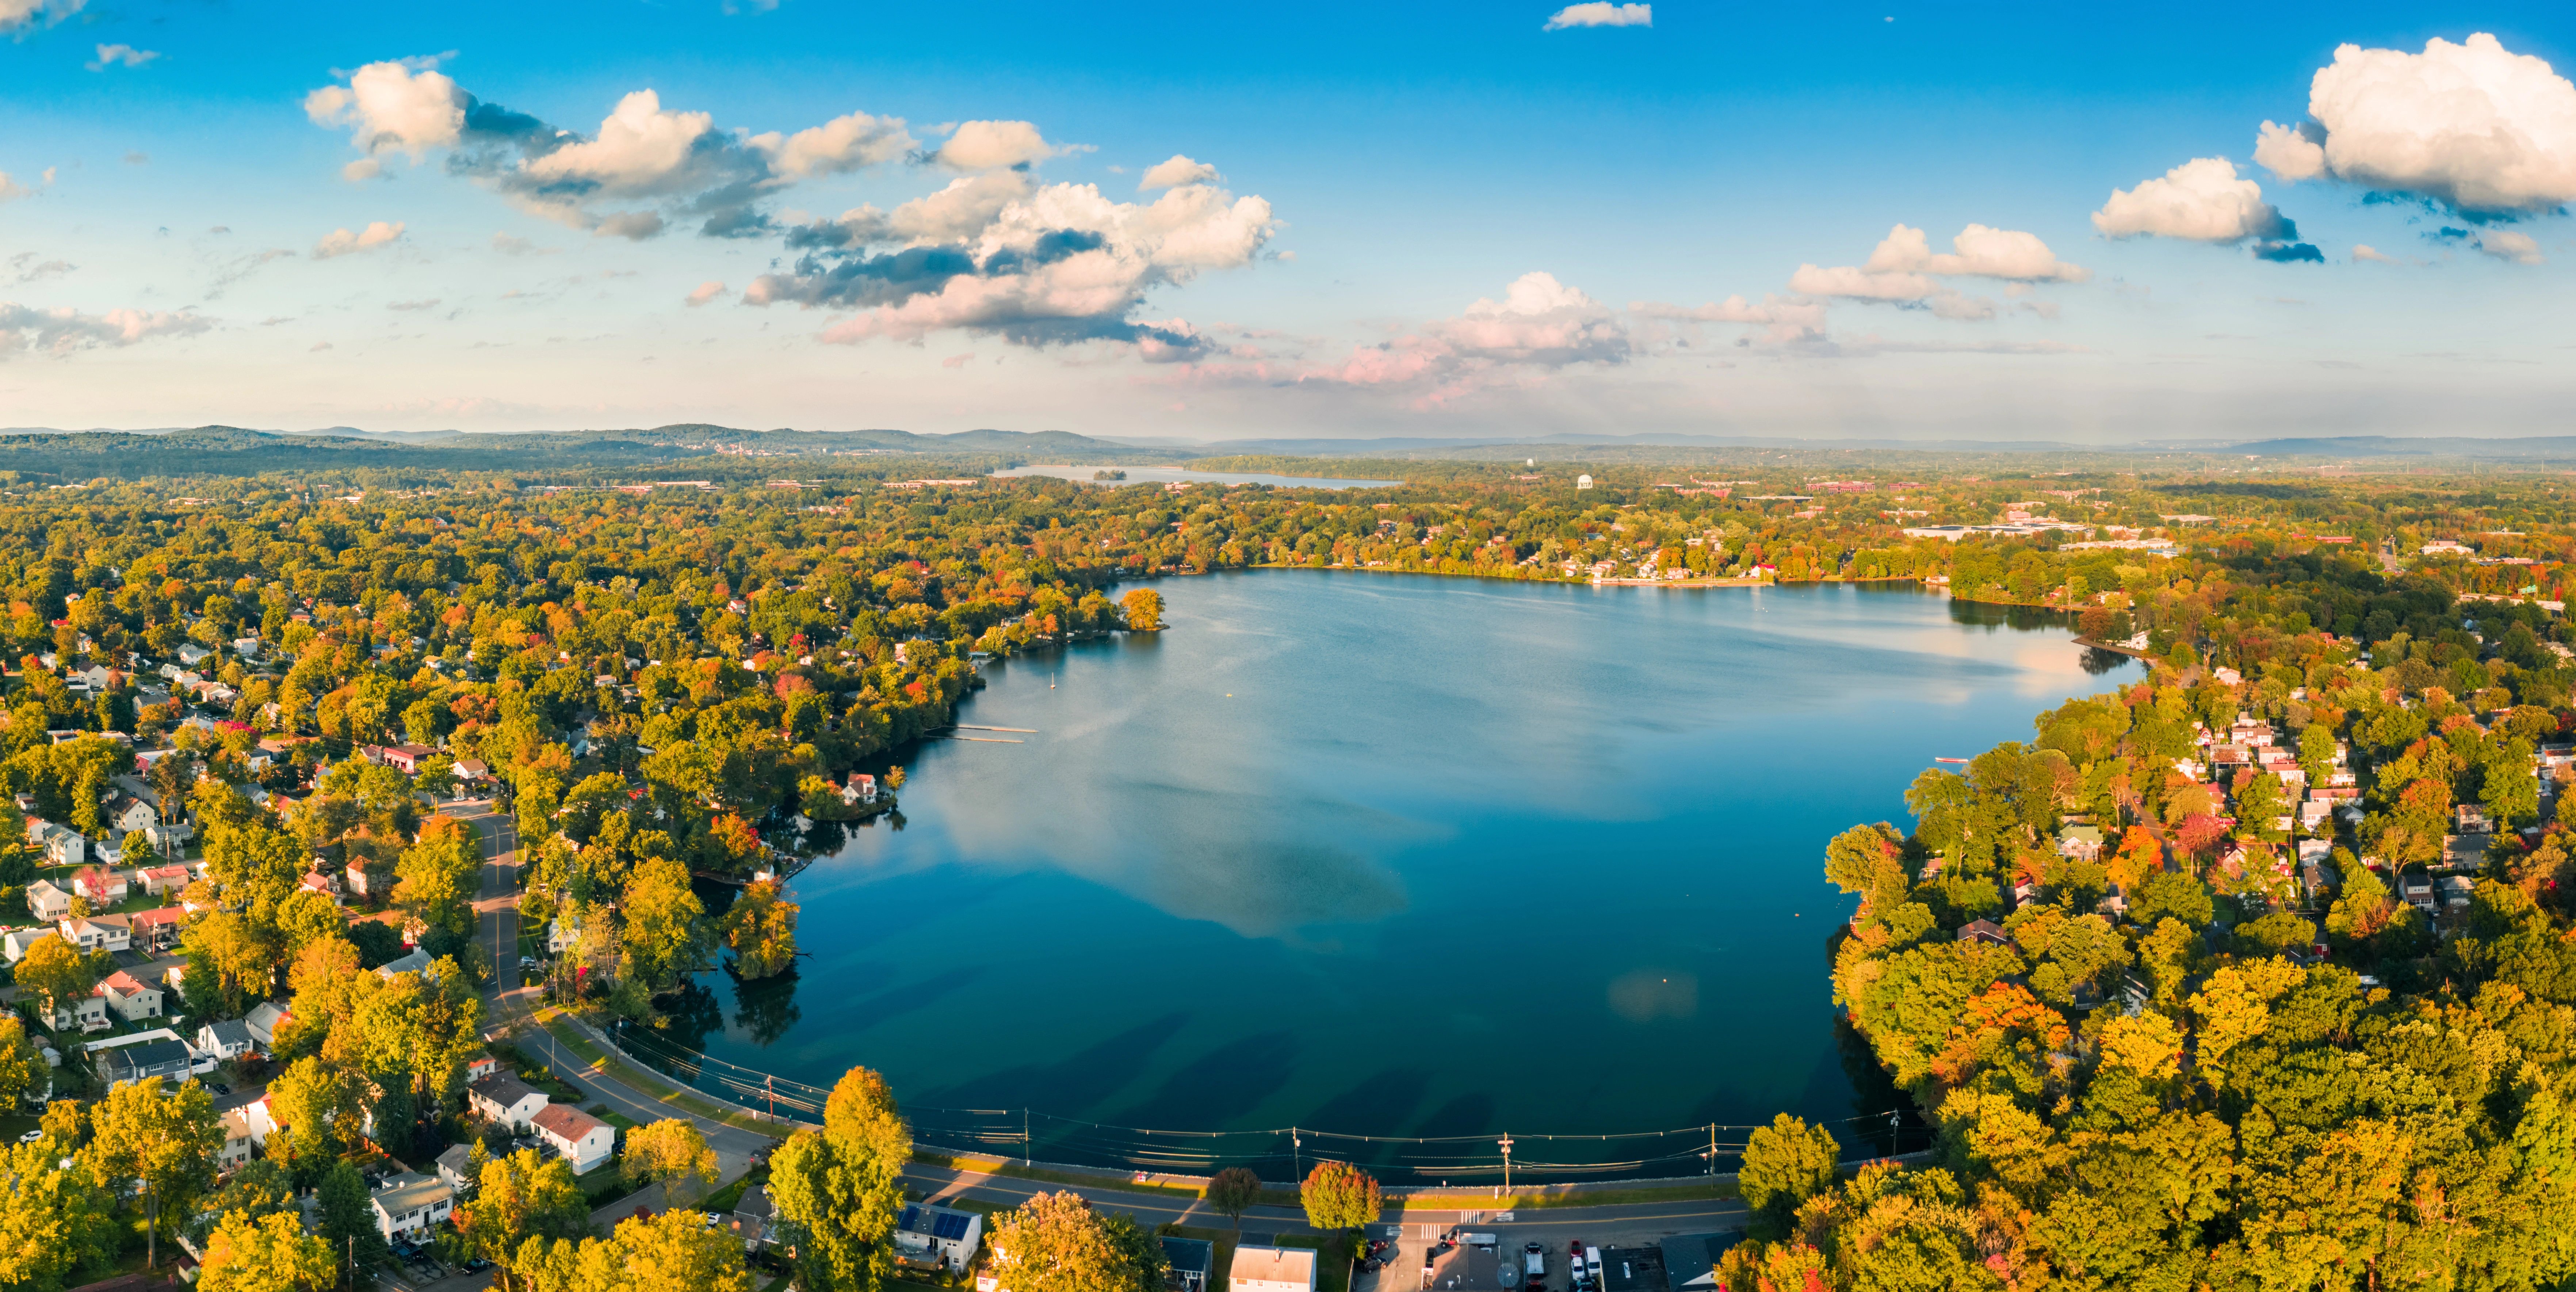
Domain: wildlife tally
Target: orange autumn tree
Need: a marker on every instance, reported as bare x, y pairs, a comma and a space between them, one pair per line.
2141, 856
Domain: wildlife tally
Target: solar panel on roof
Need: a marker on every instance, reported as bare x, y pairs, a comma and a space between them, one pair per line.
911, 1218
949, 1227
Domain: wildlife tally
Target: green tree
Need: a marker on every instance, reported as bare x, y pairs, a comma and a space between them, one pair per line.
57, 1225
439, 875
1784, 1164
22, 1067
1232, 1193
347, 1225
57, 971
671, 1152
518, 1199
840, 1189
166, 1137
761, 930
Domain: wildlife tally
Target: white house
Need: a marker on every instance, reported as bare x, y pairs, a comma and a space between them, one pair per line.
163, 881
89, 1014
227, 1039
131, 998
129, 814
584, 1140
17, 942
47, 902
937, 1237
455, 1166
410, 1204
98, 932
1274, 1269
65, 847
562, 936
265, 1018
505, 1099
237, 1141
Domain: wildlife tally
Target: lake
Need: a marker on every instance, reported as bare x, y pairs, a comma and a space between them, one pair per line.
1183, 475
1394, 855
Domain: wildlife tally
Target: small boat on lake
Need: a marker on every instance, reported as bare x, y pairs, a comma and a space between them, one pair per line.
1936, 758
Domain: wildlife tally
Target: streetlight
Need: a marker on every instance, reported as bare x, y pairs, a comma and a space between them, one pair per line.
1507, 1161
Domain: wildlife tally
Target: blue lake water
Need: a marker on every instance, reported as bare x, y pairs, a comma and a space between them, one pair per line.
1183, 475
1396, 856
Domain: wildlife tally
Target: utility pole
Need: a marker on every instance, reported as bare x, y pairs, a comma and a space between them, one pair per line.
1296, 1146
1507, 1161
1712, 1150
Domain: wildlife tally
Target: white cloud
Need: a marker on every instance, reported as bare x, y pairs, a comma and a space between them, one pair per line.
994, 145
2201, 200
1860, 284
2472, 124
62, 331
1539, 320
706, 291
28, 269
2290, 152
1601, 13
965, 208
1978, 252
17, 14
2505, 244
2362, 251
392, 107
836, 147
1784, 318
639, 150
11, 190
341, 242
1175, 172
120, 56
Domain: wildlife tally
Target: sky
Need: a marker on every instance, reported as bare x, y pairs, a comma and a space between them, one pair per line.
1483, 220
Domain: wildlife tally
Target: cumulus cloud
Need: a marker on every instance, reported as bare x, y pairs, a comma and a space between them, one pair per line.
1539, 325
995, 251
1174, 173
27, 329
645, 167
2505, 244
18, 15
341, 242
2472, 125
11, 190
1046, 265
120, 56
1601, 13
2204, 200
992, 145
706, 291
1903, 270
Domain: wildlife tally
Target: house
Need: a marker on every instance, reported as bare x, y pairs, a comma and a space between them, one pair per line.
584, 1140
415, 961
65, 847
265, 1019
237, 1141
754, 1216
17, 942
355, 876
469, 770
480, 1066
315, 881
928, 1237
410, 1204
163, 881
88, 1013
131, 998
1272, 1269
2080, 842
563, 935
102, 886
227, 1039
2472, 818
143, 1060
1190, 1260
157, 930
1986, 931
46, 902
191, 654
98, 932
2456, 890
455, 1166
2416, 888
171, 839
861, 789
504, 1099
128, 813
403, 758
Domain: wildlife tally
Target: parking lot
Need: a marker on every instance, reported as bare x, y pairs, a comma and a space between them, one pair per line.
1492, 1253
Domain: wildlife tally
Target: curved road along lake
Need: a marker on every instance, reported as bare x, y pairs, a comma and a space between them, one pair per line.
1396, 855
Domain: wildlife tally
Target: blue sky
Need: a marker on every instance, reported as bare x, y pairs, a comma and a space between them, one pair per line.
1352, 253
